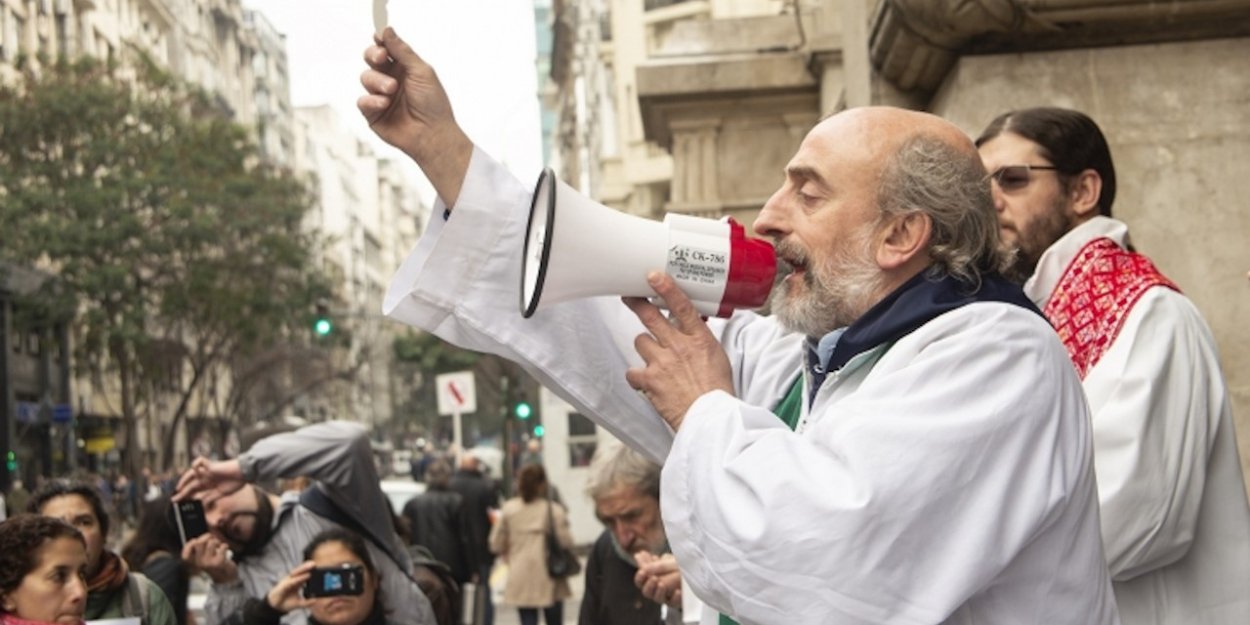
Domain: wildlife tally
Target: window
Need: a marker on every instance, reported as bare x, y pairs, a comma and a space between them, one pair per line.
6, 39
582, 440
32, 343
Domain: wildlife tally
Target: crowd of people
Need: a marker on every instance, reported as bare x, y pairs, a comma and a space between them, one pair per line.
974, 401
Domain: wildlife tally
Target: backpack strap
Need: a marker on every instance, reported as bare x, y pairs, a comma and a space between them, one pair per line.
135, 598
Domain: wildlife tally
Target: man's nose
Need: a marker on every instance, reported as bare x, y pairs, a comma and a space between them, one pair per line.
623, 535
214, 518
1000, 201
771, 222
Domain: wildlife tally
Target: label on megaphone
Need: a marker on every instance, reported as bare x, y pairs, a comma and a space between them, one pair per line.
717, 266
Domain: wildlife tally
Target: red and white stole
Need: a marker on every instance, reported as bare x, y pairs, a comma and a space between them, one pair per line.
1095, 294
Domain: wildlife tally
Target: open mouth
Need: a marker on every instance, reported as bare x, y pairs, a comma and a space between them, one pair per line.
789, 265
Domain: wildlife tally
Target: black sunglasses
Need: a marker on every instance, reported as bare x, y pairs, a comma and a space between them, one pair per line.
1016, 177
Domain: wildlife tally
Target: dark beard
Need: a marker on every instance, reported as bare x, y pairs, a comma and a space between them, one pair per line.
1018, 270
1042, 234
262, 529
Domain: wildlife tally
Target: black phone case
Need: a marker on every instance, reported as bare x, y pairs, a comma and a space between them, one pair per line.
189, 515
333, 582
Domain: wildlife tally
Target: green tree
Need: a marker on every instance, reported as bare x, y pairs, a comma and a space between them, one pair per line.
176, 249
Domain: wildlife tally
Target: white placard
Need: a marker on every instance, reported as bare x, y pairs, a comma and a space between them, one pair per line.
456, 393
134, 620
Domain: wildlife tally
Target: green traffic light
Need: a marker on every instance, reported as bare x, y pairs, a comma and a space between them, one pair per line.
539, 431
323, 327
523, 410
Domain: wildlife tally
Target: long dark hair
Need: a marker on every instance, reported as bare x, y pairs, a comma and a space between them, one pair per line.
347, 538
1069, 139
156, 532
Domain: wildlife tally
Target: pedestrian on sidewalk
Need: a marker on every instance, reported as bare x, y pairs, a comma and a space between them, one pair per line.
520, 538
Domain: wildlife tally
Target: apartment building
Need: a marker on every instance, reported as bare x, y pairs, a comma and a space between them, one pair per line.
366, 207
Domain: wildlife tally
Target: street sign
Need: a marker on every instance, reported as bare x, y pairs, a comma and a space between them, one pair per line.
456, 393
27, 412
62, 413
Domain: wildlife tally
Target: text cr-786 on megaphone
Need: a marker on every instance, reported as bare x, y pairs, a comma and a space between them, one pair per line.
575, 247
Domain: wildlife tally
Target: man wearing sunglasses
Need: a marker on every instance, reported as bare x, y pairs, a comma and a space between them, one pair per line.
1175, 521
256, 537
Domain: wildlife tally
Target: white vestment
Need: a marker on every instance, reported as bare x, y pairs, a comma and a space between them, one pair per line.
944, 478
1175, 521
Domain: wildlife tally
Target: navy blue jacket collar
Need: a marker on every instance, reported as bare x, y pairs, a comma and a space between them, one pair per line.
915, 303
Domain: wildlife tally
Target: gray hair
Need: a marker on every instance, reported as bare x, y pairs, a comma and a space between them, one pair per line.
615, 465
929, 176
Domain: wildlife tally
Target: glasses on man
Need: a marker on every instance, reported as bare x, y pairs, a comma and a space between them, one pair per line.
1016, 177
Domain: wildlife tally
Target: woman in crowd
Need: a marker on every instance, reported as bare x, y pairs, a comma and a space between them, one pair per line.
333, 549
43, 569
520, 537
156, 551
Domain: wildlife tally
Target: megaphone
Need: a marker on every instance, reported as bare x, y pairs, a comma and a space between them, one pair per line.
575, 247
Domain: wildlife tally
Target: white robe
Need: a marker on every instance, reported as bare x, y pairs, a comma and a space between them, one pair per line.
1175, 521
946, 480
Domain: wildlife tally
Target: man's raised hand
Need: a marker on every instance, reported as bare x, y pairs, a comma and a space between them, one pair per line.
208, 480
406, 105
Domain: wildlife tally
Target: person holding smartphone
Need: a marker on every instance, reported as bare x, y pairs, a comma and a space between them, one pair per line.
337, 583
254, 537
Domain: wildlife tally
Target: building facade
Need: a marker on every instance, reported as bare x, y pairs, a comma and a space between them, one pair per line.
711, 98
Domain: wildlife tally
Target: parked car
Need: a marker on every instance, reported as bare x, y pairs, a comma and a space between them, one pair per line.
491, 459
399, 490
400, 462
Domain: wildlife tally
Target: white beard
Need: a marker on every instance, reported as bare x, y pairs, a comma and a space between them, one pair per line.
838, 291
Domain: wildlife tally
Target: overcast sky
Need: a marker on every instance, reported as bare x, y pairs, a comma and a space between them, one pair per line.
483, 50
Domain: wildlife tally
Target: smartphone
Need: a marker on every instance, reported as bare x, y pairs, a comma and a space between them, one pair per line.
330, 582
189, 516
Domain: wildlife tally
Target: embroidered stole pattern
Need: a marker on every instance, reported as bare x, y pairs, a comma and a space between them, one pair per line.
1095, 294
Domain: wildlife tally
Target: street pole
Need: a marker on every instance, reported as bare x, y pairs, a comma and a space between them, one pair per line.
506, 396
457, 435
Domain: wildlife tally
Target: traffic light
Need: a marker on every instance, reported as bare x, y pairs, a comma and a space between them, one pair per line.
539, 431
522, 410
10, 462
322, 324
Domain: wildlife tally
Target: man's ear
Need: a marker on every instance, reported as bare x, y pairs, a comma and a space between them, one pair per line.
1084, 191
903, 239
